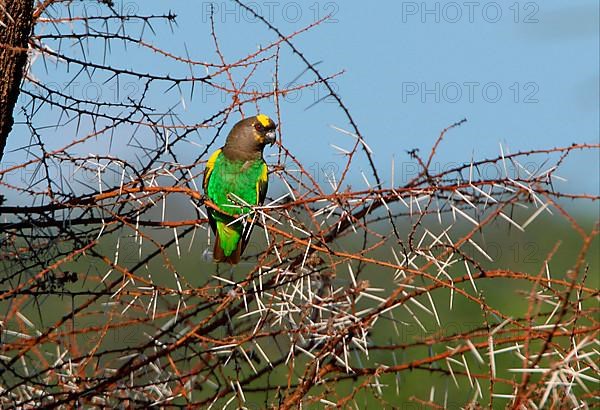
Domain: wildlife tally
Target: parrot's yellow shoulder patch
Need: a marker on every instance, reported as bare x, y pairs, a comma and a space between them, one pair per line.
264, 173
263, 119
261, 184
210, 165
212, 159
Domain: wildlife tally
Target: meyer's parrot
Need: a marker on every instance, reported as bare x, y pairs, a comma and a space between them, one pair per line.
236, 177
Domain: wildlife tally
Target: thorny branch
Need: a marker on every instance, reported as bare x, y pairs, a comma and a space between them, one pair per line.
107, 298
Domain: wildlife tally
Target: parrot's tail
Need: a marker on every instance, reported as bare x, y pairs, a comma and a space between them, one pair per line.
219, 255
232, 245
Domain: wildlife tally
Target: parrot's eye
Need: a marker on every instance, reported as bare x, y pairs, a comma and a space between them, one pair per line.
259, 127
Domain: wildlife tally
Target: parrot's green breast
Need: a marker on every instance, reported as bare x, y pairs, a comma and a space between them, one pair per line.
233, 178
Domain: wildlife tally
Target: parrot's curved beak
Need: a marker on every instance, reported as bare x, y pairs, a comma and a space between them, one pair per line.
270, 137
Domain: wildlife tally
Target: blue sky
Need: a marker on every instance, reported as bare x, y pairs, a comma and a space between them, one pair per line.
524, 74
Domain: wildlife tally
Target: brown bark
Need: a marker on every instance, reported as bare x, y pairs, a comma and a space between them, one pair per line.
17, 21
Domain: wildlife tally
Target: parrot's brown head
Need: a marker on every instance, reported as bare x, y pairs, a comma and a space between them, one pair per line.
249, 136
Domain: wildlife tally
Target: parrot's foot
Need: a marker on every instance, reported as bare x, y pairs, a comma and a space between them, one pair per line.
207, 255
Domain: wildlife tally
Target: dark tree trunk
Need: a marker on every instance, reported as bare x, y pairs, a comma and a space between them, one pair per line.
16, 17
